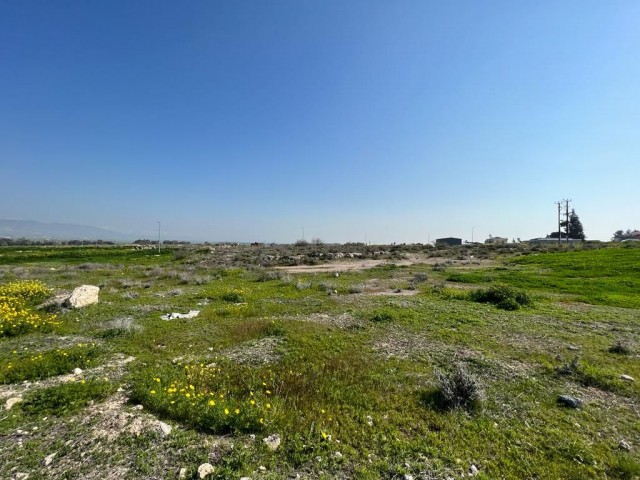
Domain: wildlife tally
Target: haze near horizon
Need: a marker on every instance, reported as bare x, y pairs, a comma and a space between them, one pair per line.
266, 121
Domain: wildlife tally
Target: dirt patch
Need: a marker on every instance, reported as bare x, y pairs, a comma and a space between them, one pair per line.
344, 320
396, 293
411, 346
255, 352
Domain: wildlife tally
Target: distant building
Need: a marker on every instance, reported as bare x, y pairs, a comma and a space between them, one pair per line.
549, 241
496, 240
450, 241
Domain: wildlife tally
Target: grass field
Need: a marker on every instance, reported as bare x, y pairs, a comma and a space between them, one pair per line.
349, 371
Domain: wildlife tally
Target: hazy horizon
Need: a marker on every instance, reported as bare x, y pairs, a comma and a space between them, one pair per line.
366, 120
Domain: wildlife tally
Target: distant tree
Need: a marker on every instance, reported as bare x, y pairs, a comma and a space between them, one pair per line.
575, 229
317, 241
572, 228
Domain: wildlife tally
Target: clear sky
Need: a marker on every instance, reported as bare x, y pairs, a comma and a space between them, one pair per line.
394, 121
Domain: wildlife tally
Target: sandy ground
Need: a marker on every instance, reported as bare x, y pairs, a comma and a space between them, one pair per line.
356, 264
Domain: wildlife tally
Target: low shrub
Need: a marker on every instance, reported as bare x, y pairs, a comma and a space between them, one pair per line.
357, 288
458, 389
621, 347
234, 296
502, 296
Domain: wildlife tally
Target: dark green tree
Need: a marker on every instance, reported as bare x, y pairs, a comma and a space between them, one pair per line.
575, 226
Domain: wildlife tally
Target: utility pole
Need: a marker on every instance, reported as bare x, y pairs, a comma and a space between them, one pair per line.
559, 223
158, 236
566, 218
564, 202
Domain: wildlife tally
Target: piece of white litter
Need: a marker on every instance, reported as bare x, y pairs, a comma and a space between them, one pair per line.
171, 316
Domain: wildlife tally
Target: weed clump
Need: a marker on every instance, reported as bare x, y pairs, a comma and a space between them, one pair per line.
383, 315
502, 296
458, 389
620, 347
590, 375
234, 296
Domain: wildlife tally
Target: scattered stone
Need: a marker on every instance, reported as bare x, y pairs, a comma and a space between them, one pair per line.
138, 407
571, 402
272, 441
11, 402
245, 478
337, 455
165, 428
624, 446
318, 459
204, 470
407, 476
171, 316
473, 470
573, 347
262, 468
77, 371
120, 390
369, 421
21, 476
182, 473
627, 378
48, 459
83, 296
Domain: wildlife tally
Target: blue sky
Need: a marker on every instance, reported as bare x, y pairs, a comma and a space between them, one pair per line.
401, 121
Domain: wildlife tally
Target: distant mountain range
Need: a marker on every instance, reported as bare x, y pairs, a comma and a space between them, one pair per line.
58, 231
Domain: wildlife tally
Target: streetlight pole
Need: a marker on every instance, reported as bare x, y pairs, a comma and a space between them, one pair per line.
158, 236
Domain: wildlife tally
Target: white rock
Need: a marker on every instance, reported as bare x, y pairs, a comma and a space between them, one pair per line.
11, 402
48, 459
77, 371
22, 476
245, 478
262, 468
627, 378
272, 441
624, 446
204, 470
182, 473
337, 455
408, 477
369, 421
473, 470
138, 407
82, 296
165, 428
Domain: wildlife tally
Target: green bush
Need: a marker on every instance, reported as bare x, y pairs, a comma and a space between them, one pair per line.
502, 296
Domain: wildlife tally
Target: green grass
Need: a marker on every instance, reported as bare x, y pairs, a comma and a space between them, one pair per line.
350, 378
66, 398
39, 365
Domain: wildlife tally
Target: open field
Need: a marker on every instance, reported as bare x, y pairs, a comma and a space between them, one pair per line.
344, 358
